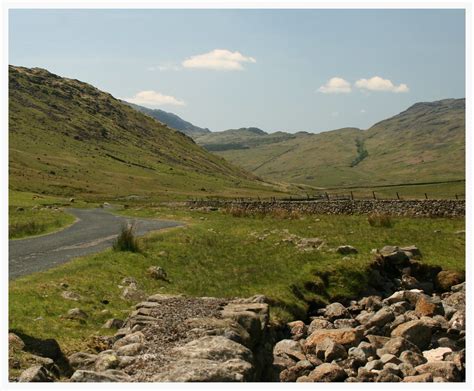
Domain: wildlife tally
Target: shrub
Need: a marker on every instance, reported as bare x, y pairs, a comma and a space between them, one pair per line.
25, 229
126, 240
380, 220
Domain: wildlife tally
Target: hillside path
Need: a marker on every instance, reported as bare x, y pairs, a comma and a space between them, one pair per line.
94, 231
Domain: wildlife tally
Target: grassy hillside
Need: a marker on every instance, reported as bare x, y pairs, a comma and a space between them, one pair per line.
422, 144
172, 120
243, 138
68, 138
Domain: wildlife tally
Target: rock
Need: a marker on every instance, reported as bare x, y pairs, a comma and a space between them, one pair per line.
76, 313
132, 349
457, 300
106, 361
158, 273
329, 350
437, 354
423, 378
374, 365
387, 376
345, 250
132, 293
459, 287
224, 327
427, 306
36, 373
362, 352
345, 323
113, 323
15, 342
280, 363
290, 349
319, 324
201, 370
394, 255
458, 321
371, 303
445, 279
214, 348
415, 331
444, 369
69, 295
345, 337
412, 358
396, 346
389, 358
327, 373
301, 368
136, 337
99, 377
336, 311
381, 317
297, 329
81, 360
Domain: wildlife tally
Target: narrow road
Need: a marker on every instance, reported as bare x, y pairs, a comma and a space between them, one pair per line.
94, 231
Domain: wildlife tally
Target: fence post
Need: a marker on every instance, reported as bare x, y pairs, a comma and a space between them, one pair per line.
373, 193
327, 195
352, 196
456, 196
398, 197
426, 196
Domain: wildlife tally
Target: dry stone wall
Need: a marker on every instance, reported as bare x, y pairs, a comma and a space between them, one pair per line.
412, 208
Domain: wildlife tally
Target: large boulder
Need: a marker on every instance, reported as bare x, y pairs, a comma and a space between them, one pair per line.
81, 360
36, 374
289, 348
345, 337
445, 279
214, 348
415, 331
325, 373
202, 370
111, 375
336, 311
443, 369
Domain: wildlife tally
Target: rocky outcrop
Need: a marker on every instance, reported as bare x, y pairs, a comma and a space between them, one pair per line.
169, 338
413, 208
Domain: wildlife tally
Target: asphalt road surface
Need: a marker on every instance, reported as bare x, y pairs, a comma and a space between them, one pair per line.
94, 230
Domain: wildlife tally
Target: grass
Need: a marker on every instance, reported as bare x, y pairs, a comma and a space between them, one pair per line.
126, 241
33, 214
220, 255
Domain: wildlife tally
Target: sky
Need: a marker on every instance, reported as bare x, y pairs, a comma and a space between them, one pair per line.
279, 70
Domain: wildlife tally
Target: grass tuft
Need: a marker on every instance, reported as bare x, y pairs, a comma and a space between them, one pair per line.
380, 220
126, 241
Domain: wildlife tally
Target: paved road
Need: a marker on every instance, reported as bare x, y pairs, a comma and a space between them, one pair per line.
95, 230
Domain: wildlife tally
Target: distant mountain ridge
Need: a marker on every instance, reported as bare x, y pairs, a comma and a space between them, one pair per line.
426, 142
171, 119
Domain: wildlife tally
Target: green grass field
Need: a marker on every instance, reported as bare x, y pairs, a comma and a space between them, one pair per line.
220, 255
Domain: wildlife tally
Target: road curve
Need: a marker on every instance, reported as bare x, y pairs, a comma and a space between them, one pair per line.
94, 230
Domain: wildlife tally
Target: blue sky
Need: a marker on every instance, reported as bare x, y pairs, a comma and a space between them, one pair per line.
290, 70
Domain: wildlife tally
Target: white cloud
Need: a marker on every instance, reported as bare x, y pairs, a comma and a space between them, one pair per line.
362, 111
154, 99
336, 85
219, 60
376, 83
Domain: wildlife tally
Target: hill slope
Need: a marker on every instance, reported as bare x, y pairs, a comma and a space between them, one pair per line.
424, 143
170, 119
69, 138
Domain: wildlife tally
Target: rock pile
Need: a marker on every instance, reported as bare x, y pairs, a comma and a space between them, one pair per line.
411, 335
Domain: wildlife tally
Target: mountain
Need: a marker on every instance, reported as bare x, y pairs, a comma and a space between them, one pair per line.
243, 138
172, 120
424, 143
67, 137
